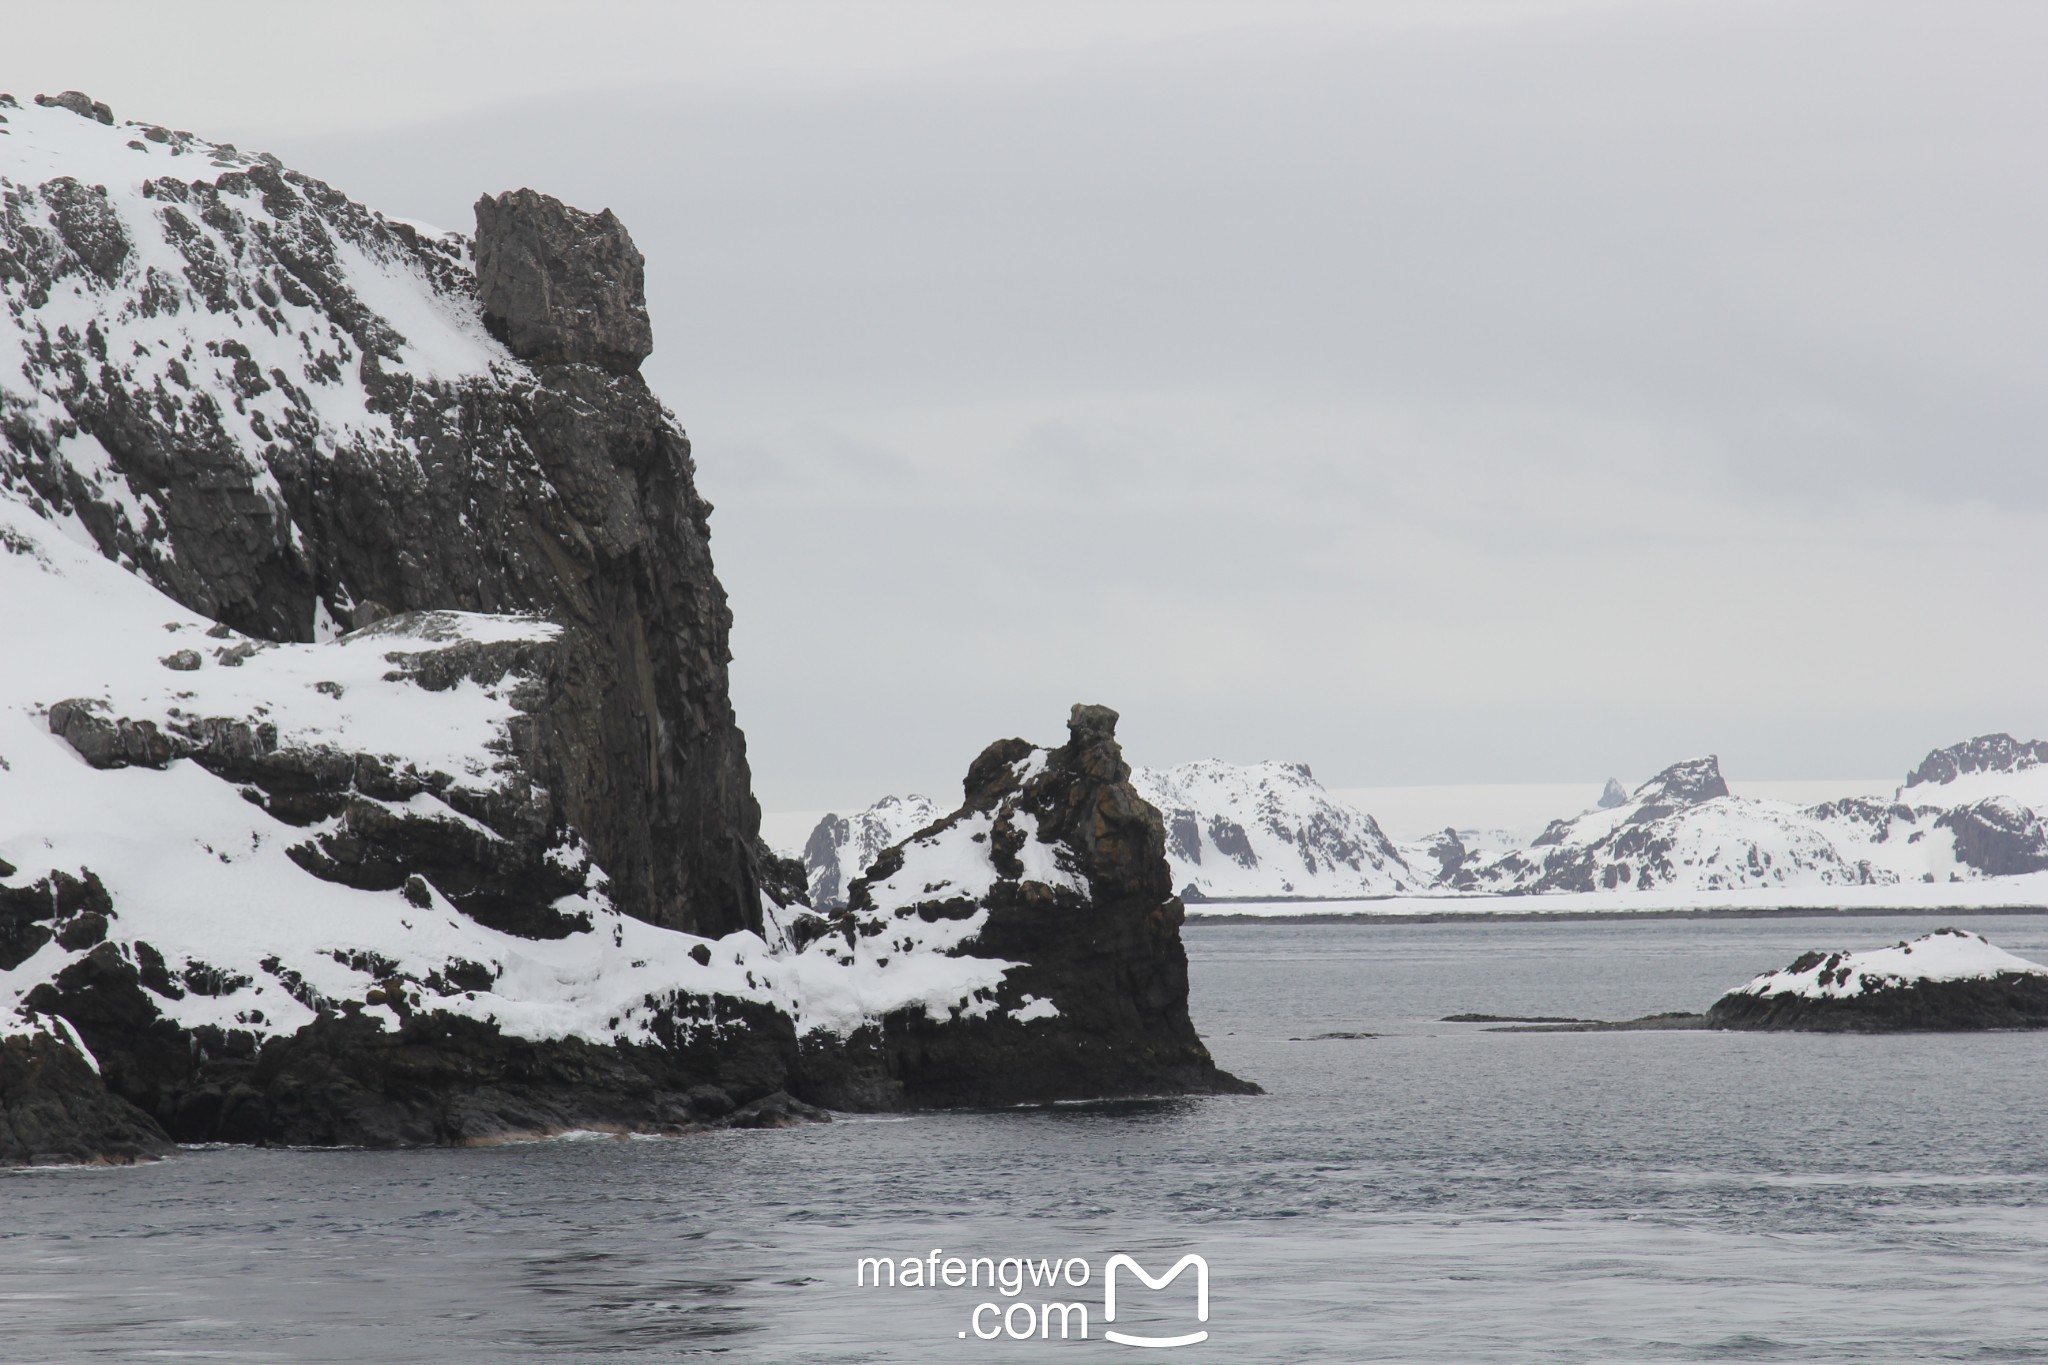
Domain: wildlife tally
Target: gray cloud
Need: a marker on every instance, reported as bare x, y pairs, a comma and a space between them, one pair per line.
1551, 393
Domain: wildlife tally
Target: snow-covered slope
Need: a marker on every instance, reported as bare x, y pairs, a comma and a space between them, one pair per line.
213, 879
1051, 883
147, 263
841, 848
1268, 829
1270, 832
1944, 955
296, 416
213, 890
1683, 829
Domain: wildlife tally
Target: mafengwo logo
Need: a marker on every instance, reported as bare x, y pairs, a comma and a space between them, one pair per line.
1032, 1316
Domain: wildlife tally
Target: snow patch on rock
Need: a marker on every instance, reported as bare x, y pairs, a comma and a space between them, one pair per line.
1944, 955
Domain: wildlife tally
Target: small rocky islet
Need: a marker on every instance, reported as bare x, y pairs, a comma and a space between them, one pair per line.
1947, 981
1951, 980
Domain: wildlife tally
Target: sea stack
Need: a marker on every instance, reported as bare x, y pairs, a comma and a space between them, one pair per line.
1053, 870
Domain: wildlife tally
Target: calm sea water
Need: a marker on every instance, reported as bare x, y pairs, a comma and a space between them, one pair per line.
1436, 1193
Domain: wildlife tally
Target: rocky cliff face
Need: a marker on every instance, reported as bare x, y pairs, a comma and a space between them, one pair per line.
296, 417
376, 599
1052, 873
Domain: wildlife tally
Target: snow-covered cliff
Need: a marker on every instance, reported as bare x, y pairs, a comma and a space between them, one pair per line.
368, 772
294, 417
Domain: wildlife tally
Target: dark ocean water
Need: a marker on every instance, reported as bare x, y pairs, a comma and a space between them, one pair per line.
1436, 1193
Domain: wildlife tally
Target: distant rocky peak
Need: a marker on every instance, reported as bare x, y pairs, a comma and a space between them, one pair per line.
841, 848
1614, 794
1680, 785
1984, 754
561, 286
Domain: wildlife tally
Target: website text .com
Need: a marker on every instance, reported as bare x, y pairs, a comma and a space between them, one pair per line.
1026, 1318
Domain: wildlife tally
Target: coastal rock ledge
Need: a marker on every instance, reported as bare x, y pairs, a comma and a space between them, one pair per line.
1947, 981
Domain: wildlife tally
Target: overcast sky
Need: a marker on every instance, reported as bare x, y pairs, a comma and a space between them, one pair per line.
1431, 392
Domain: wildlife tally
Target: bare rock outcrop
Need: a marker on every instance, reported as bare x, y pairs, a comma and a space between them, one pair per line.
55, 1110
560, 286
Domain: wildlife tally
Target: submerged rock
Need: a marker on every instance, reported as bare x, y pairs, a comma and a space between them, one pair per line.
1053, 872
1949, 980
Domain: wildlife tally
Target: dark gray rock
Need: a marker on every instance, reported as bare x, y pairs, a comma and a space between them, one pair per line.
1613, 794
61, 906
88, 226
561, 286
79, 103
821, 860
438, 1079
54, 1109
2012, 1001
1449, 853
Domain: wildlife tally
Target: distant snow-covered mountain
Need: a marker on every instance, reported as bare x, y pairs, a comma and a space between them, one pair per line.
1261, 830
1973, 813
843, 847
1268, 829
